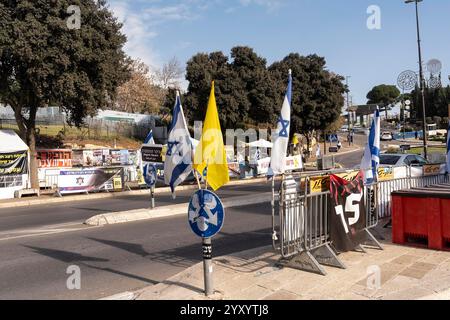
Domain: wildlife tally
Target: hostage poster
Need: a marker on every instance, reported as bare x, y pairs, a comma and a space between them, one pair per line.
77, 181
348, 212
14, 163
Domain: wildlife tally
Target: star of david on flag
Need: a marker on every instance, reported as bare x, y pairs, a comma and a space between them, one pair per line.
371, 158
281, 136
178, 162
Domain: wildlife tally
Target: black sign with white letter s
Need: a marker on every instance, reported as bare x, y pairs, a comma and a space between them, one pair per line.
348, 212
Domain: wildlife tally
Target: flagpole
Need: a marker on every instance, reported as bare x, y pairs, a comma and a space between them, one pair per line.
198, 180
207, 257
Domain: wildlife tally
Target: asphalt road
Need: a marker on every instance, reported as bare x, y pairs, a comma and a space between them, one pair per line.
350, 160
76, 212
118, 258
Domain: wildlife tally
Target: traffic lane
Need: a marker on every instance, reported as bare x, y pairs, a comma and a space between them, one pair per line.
350, 160
79, 211
121, 258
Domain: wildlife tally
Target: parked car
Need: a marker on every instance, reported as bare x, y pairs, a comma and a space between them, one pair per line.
386, 136
393, 159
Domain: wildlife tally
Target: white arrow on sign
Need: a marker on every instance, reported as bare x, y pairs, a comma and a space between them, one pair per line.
194, 215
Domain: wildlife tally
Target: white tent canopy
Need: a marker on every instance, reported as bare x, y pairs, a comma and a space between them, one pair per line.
261, 144
11, 142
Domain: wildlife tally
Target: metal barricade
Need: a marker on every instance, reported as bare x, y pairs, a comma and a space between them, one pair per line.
385, 189
304, 226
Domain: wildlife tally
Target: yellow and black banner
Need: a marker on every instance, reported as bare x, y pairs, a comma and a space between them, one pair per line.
13, 163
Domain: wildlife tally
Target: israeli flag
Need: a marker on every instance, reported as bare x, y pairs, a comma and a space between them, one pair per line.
281, 137
257, 154
448, 148
149, 140
371, 159
178, 162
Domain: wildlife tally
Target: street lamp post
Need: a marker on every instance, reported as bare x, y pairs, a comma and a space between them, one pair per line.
422, 81
348, 102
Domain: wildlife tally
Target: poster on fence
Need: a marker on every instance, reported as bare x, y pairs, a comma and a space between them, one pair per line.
13, 163
348, 212
54, 158
78, 181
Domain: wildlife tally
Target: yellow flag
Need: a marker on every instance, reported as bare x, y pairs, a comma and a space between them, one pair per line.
210, 152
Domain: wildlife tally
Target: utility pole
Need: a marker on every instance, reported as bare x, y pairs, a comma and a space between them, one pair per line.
348, 101
422, 80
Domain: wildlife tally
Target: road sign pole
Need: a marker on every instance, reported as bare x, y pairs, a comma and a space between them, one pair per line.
152, 195
207, 266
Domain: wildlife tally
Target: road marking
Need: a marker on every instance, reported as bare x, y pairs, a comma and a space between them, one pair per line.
41, 231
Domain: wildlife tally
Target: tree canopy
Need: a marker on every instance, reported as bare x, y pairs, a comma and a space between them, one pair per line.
248, 92
436, 102
383, 95
140, 94
44, 61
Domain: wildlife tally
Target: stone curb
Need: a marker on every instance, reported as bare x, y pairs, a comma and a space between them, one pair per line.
32, 202
168, 211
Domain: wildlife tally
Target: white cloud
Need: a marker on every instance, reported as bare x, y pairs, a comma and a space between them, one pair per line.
269, 4
138, 32
142, 18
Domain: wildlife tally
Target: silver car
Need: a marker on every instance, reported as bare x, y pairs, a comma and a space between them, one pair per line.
393, 159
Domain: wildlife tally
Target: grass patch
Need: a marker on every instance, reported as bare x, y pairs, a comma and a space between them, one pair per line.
419, 150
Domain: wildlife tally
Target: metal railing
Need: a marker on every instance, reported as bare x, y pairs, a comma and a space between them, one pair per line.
304, 224
385, 189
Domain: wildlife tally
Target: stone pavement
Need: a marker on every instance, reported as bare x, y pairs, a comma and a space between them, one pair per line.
405, 273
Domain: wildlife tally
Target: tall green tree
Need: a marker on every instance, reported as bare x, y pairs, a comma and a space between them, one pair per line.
383, 95
249, 93
436, 102
244, 89
43, 59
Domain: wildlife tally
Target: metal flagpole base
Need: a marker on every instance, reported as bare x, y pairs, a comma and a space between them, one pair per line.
374, 243
326, 256
359, 248
312, 261
304, 261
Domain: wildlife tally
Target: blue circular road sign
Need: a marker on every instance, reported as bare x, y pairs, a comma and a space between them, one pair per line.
150, 175
206, 214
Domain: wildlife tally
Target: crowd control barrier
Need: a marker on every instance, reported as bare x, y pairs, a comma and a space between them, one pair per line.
408, 181
302, 235
302, 232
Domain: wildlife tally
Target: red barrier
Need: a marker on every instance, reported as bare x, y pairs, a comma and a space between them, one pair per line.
422, 214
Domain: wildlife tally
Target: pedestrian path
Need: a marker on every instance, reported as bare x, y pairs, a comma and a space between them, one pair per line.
396, 273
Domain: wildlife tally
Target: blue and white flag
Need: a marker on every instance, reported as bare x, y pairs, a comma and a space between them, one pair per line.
281, 137
257, 154
178, 163
448, 148
371, 158
149, 140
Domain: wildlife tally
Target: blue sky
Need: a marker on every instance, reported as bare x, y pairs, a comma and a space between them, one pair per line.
336, 29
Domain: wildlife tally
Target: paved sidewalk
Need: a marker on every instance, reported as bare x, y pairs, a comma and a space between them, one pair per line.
406, 273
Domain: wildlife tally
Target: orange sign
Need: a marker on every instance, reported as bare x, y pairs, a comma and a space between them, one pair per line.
431, 169
54, 158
